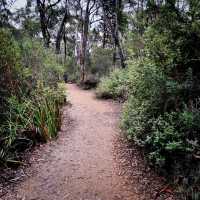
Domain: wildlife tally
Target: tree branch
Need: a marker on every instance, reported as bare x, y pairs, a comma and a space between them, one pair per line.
54, 4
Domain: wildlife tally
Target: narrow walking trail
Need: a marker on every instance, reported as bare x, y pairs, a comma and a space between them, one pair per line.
80, 165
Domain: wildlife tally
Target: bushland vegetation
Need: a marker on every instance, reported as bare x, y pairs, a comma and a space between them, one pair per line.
30, 95
145, 52
161, 86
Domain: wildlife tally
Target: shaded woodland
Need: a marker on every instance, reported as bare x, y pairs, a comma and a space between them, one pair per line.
145, 53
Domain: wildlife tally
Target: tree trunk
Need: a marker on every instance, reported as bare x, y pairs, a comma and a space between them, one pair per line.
115, 33
104, 29
60, 31
43, 23
85, 28
65, 47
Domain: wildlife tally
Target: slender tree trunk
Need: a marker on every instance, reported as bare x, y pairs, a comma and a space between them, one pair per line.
85, 28
114, 57
61, 31
65, 47
120, 50
104, 29
43, 23
115, 34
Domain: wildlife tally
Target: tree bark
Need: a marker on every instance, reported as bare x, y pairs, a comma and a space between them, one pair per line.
61, 31
112, 10
85, 28
65, 46
43, 23
115, 33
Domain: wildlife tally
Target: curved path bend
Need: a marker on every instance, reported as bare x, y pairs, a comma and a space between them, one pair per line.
80, 165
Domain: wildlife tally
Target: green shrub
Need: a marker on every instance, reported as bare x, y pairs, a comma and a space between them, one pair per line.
162, 111
30, 95
9, 69
113, 86
71, 69
146, 85
149, 118
47, 115
35, 119
157, 117
41, 63
101, 61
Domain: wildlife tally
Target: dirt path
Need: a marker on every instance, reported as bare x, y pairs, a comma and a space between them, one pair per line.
80, 165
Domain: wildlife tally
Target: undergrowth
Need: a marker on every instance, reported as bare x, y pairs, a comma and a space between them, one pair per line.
31, 95
162, 111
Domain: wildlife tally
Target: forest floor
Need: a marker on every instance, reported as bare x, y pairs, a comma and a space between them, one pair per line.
89, 161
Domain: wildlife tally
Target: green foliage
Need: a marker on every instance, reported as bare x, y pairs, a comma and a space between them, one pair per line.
31, 27
168, 140
42, 63
71, 69
145, 85
98, 65
134, 45
10, 53
162, 113
101, 61
9, 68
31, 97
113, 86
36, 119
46, 111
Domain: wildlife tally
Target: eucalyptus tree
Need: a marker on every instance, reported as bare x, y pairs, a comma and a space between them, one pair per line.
114, 24
87, 9
27, 20
48, 17
69, 17
78, 14
5, 12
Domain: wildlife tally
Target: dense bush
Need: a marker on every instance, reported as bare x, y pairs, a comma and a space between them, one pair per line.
113, 86
101, 61
31, 97
71, 69
162, 113
40, 64
9, 68
98, 64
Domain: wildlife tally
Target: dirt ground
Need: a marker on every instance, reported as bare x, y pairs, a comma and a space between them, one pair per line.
89, 160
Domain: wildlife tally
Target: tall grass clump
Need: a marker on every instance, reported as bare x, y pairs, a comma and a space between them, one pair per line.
31, 96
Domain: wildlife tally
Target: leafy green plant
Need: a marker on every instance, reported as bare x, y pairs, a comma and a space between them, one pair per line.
161, 113
30, 95
101, 62
47, 115
113, 86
